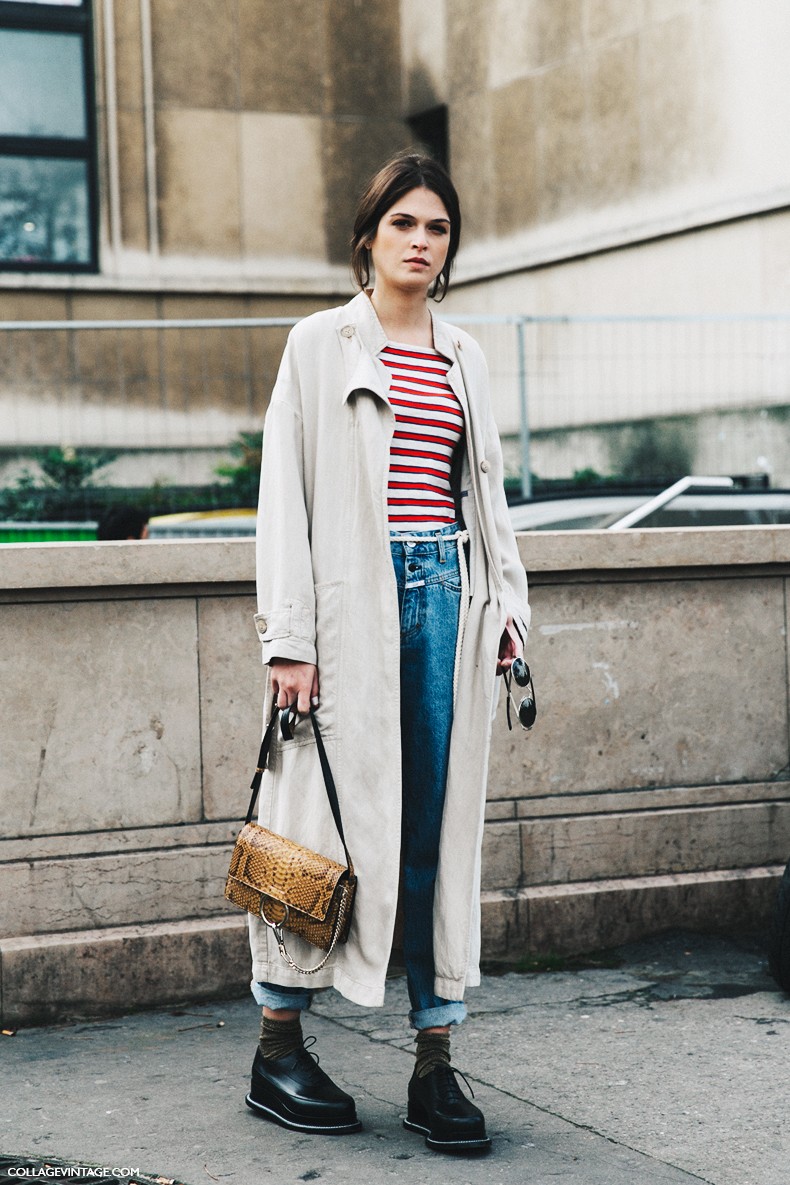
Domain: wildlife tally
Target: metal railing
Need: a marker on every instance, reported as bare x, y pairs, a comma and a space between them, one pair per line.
192, 384
669, 495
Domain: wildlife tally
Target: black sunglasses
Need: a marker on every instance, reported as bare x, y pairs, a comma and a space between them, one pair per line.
527, 710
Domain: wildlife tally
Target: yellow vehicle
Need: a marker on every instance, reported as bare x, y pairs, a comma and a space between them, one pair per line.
202, 524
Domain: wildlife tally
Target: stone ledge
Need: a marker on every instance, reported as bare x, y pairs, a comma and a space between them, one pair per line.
537, 805
157, 887
55, 977
577, 918
668, 547
118, 841
571, 849
156, 562
206, 562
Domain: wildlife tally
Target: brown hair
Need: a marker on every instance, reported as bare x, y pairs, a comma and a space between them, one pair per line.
397, 177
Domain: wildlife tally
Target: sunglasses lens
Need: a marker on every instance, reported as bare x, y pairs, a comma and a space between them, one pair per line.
527, 712
520, 672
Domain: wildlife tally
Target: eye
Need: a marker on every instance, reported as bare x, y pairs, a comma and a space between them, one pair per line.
401, 222
441, 229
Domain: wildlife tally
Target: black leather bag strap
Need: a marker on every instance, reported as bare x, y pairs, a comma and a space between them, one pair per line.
263, 757
329, 781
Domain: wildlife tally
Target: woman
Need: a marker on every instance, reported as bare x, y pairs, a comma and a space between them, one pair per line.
381, 480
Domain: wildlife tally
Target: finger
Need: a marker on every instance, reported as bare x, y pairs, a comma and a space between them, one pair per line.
314, 689
507, 648
303, 702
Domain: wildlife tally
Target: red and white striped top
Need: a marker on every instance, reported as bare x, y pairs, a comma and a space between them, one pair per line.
429, 422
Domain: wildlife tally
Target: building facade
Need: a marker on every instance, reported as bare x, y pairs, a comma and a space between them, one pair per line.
166, 159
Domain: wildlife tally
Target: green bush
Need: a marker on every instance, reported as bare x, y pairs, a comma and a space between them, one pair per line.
64, 492
68, 469
244, 476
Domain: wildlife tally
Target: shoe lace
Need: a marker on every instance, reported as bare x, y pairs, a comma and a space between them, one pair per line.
308, 1044
454, 1092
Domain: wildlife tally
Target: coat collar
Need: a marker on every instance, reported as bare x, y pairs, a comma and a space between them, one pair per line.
358, 321
361, 338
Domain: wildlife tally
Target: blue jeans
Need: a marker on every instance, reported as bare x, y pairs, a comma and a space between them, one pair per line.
429, 600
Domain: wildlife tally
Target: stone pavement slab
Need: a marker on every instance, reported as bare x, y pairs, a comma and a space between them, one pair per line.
665, 1070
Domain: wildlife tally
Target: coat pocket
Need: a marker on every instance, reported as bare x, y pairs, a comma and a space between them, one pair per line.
294, 801
329, 648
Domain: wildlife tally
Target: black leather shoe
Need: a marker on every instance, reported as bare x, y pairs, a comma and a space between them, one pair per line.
294, 1091
438, 1110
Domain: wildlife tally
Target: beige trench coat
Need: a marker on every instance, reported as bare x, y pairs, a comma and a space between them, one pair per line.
327, 594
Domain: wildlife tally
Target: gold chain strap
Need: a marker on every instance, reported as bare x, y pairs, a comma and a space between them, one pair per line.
277, 930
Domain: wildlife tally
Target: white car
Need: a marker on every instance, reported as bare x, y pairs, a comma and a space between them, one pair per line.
724, 508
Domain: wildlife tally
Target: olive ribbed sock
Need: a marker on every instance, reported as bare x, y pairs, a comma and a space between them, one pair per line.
433, 1049
280, 1037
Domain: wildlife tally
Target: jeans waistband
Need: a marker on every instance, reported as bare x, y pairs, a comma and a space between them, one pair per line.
450, 534
437, 541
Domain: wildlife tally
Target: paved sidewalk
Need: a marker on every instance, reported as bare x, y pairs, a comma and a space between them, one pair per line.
668, 1069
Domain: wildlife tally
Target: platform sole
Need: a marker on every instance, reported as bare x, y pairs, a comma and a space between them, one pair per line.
480, 1144
298, 1125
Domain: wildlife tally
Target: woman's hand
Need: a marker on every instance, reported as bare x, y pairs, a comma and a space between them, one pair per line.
510, 647
294, 682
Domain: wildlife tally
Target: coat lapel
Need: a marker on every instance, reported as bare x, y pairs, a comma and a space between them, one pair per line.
449, 344
361, 339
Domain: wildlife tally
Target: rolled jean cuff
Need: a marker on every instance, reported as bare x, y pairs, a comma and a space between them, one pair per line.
451, 1013
272, 995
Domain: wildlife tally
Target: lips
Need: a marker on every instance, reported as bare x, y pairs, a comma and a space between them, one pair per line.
424, 262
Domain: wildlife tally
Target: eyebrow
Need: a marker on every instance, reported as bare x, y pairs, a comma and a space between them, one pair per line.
404, 214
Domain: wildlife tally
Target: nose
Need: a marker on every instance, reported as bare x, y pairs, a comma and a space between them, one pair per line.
419, 239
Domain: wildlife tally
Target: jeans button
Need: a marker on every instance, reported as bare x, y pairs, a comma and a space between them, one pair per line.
413, 567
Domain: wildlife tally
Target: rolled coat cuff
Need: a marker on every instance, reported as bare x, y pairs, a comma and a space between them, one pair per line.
288, 632
290, 649
521, 617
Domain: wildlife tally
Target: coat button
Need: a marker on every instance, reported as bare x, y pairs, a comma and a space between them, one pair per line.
347, 331
485, 466
262, 626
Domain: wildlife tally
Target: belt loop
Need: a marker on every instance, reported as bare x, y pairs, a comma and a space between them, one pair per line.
442, 545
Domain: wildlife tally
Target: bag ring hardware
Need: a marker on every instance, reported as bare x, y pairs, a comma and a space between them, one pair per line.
283, 920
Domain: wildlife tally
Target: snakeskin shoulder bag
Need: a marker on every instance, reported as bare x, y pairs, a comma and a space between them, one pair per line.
288, 886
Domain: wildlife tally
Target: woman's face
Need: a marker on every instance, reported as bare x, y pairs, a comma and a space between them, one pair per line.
411, 242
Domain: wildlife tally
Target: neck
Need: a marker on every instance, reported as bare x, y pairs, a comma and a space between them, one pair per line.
404, 317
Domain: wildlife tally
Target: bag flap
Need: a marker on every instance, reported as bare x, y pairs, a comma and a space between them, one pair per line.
284, 871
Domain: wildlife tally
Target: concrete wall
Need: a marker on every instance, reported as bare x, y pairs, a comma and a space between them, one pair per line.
652, 792
612, 156
232, 142
578, 126
621, 156
241, 148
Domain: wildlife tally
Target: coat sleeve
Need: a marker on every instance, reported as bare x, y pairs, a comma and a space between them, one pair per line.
513, 573
285, 620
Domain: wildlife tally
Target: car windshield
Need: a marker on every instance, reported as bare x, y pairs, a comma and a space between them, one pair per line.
598, 512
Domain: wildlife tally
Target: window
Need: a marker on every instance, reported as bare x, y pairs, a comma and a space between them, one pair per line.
430, 129
47, 137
